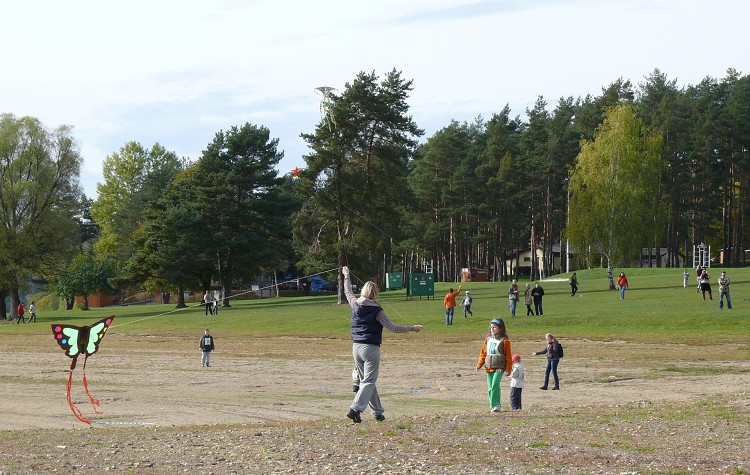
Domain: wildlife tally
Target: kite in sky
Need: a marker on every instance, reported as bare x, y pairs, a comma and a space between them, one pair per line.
78, 341
326, 103
295, 174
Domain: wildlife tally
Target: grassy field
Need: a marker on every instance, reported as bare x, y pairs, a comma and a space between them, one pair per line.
656, 309
656, 383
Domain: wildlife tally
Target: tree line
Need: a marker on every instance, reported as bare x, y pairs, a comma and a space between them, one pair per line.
647, 166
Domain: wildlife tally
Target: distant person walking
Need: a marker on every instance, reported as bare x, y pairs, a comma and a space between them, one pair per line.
705, 283
367, 322
538, 293
528, 300
467, 301
552, 350
20, 311
724, 291
699, 273
32, 312
450, 304
573, 284
496, 358
685, 278
622, 284
513, 297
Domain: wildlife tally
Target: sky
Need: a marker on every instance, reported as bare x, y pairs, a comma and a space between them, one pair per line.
177, 72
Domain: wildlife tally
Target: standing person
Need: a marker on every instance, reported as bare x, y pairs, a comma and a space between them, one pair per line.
217, 299
513, 297
724, 291
553, 359
699, 273
622, 284
528, 300
573, 284
685, 278
207, 302
32, 312
516, 376
538, 293
496, 358
206, 345
705, 283
467, 304
368, 320
450, 304
20, 311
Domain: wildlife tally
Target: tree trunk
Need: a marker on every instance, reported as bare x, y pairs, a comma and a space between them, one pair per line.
181, 296
15, 300
3, 308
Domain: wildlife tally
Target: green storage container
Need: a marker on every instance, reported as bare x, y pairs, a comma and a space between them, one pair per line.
421, 285
395, 280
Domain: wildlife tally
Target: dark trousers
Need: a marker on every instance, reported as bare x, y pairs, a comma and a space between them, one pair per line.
538, 306
515, 398
551, 366
528, 310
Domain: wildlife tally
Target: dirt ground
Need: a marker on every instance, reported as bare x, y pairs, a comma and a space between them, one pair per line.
157, 383
161, 382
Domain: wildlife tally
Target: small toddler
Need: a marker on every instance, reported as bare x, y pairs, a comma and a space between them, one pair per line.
516, 376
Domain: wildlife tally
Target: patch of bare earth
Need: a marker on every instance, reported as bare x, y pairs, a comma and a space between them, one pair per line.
279, 405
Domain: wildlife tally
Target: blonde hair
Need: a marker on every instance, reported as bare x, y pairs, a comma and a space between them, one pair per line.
369, 291
548, 336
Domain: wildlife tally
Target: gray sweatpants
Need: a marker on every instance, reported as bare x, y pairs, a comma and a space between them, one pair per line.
367, 361
206, 358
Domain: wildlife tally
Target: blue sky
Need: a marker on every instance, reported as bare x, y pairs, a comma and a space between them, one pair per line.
177, 72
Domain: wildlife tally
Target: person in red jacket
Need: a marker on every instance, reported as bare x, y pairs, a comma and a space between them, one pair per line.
622, 284
450, 304
496, 358
20, 313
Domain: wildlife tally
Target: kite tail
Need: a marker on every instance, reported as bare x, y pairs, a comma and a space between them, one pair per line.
73, 408
94, 402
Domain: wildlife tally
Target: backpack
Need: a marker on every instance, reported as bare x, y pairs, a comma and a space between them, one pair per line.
560, 352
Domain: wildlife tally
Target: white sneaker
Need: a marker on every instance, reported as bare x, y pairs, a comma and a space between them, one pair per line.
495, 409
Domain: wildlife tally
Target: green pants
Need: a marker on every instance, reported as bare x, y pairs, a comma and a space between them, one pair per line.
493, 387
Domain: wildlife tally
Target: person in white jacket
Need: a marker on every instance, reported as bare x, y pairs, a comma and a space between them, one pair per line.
516, 376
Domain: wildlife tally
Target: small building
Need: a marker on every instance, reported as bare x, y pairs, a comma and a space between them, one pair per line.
559, 261
97, 300
472, 274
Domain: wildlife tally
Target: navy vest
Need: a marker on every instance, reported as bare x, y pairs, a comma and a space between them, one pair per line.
365, 328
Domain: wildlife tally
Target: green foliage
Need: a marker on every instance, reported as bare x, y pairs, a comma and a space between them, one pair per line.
133, 177
86, 275
355, 173
39, 197
616, 185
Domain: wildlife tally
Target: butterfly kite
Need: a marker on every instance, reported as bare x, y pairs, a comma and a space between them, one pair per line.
78, 341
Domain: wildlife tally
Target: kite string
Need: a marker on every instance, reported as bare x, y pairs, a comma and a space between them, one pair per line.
228, 298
